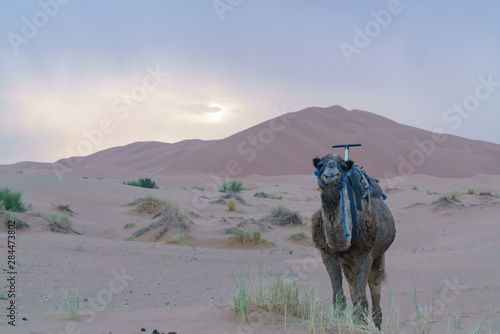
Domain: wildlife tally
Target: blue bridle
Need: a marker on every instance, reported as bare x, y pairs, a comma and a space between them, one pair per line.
341, 185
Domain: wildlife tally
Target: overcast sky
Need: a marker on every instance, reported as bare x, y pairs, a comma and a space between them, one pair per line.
81, 76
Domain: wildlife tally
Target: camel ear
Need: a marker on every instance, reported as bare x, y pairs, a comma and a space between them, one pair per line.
316, 162
349, 164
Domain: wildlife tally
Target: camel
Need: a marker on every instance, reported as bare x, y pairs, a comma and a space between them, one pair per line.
359, 253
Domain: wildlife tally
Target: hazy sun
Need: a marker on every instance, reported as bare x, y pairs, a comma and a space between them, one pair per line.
218, 116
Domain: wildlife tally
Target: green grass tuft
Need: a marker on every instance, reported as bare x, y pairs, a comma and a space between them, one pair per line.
232, 186
241, 299
11, 201
144, 183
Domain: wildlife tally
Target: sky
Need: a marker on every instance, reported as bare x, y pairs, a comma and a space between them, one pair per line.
77, 77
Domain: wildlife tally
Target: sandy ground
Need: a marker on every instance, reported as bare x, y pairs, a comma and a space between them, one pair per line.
125, 286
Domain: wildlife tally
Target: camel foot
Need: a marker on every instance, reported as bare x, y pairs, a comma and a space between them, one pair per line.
377, 318
360, 315
339, 302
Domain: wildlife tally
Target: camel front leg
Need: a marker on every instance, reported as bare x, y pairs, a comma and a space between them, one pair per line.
332, 265
360, 302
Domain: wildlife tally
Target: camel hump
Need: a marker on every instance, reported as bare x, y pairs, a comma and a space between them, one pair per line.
368, 185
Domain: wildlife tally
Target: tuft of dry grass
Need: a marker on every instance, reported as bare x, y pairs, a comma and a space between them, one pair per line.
300, 235
287, 297
280, 215
180, 239
193, 212
232, 205
149, 204
59, 222
453, 195
275, 196
471, 191
245, 237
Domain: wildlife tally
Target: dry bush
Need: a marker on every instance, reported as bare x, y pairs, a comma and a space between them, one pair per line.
169, 216
444, 201
246, 237
149, 204
280, 215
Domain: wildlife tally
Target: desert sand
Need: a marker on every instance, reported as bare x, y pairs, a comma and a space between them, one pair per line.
125, 286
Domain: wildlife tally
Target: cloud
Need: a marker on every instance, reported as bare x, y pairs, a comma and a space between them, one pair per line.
200, 108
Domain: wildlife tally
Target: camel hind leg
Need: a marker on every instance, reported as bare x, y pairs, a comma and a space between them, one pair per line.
374, 282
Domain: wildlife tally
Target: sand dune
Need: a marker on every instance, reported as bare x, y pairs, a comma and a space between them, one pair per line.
285, 146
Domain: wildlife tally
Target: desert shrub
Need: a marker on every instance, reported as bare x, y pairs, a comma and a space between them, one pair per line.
232, 205
300, 235
168, 215
149, 204
453, 195
193, 212
129, 238
246, 237
180, 239
471, 191
232, 186
11, 201
144, 183
444, 201
275, 196
60, 218
280, 215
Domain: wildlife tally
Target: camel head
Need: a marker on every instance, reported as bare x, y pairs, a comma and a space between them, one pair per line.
330, 170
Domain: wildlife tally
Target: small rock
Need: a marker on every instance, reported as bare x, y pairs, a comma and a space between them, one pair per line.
261, 195
143, 329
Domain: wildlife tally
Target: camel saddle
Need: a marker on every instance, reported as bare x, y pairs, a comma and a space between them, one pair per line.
361, 185
364, 185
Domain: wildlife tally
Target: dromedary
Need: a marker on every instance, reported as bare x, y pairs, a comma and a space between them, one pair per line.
358, 252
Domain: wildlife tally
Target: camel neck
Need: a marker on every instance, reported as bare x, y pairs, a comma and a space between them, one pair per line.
330, 199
